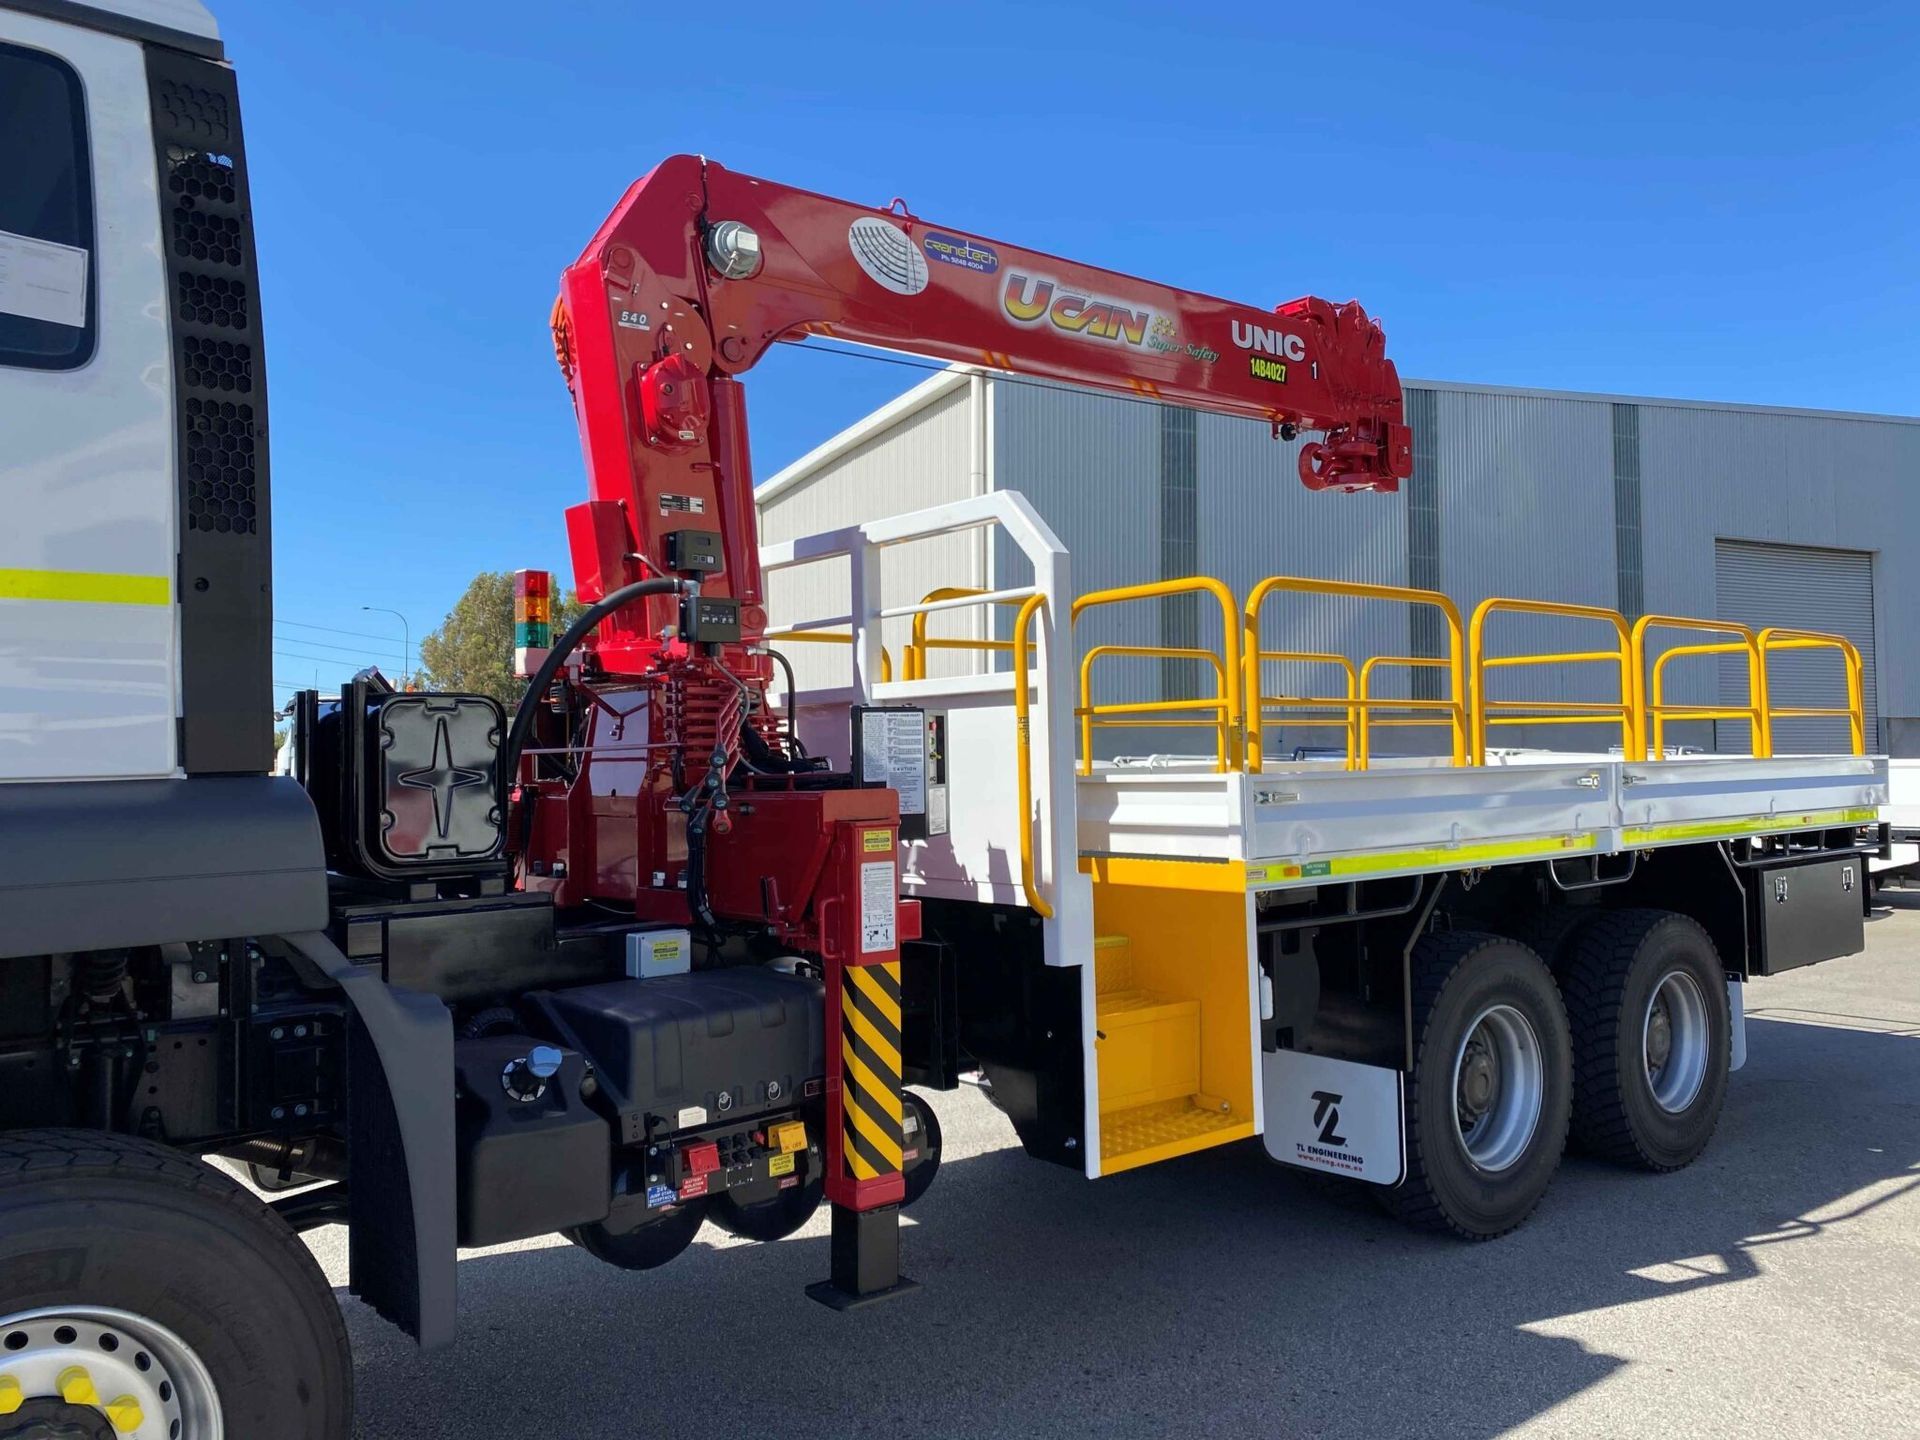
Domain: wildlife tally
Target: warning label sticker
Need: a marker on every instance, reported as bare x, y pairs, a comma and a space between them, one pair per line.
780, 1165
878, 900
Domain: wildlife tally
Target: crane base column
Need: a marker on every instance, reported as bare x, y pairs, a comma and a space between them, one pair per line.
865, 1260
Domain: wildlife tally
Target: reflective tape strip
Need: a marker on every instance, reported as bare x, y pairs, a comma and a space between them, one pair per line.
1437, 857
85, 587
1746, 825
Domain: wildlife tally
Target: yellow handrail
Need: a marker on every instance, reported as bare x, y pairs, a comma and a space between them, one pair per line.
1486, 712
1023, 750
830, 637
1231, 721
1781, 637
1654, 709
1259, 703
1087, 710
1357, 708
1455, 716
917, 648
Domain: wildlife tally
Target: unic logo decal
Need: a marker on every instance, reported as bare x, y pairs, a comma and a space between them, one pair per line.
1262, 341
1030, 299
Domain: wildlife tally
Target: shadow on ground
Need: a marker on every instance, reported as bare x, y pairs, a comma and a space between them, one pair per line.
1220, 1295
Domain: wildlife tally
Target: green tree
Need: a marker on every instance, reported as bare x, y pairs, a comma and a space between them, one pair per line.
472, 649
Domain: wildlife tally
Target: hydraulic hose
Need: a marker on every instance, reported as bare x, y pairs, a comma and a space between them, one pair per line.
568, 642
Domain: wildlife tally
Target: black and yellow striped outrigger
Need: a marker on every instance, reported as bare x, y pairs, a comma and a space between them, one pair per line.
865, 1120
871, 1112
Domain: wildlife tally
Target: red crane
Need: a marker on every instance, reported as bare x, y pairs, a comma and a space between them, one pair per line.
654, 775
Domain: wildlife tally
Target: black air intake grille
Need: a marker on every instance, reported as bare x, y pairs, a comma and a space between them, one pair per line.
223, 365
220, 477
220, 416
198, 235
197, 176
212, 301
191, 112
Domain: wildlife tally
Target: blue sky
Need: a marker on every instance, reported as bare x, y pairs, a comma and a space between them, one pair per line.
1720, 206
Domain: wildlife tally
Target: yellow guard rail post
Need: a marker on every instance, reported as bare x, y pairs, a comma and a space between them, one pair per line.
1369, 702
1023, 748
1227, 707
1358, 707
1654, 709
1779, 638
917, 648
1486, 712
1158, 652
828, 637
1349, 722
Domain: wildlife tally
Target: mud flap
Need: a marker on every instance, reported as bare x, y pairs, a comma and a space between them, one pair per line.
401, 1232
1737, 1010
1335, 1116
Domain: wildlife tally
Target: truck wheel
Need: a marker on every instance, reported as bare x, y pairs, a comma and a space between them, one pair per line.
1653, 1033
922, 1129
768, 1220
1491, 1088
647, 1246
1550, 931
142, 1291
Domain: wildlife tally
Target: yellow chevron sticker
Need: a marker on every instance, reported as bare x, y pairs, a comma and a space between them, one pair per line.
85, 587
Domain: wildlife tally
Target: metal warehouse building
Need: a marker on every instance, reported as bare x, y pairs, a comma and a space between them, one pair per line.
1767, 517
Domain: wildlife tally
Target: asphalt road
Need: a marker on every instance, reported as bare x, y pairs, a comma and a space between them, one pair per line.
1771, 1289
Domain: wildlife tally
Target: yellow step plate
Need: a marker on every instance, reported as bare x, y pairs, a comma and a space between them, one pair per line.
1149, 1133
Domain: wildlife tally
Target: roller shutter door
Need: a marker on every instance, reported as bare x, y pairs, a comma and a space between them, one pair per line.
1807, 589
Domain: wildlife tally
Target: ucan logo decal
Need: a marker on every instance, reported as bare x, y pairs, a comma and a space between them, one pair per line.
1032, 299
889, 257
953, 250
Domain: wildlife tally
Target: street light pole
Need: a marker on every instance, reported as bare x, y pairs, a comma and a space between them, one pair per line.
406, 638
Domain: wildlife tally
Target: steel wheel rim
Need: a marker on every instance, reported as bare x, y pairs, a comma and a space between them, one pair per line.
125, 1356
1673, 1041
1499, 1088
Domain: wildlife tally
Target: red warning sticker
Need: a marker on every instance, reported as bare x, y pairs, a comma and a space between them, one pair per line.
695, 1185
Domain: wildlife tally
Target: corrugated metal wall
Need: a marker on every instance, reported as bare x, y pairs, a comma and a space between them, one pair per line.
1529, 488
921, 461
1843, 483
1808, 588
1091, 466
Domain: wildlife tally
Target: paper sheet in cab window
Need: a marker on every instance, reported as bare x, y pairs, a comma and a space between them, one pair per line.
41, 280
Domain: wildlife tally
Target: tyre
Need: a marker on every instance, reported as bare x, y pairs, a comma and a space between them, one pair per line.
646, 1246
1652, 1034
1550, 931
1488, 1101
922, 1129
141, 1289
773, 1219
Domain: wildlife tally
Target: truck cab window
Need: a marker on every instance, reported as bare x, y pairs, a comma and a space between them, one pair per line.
46, 214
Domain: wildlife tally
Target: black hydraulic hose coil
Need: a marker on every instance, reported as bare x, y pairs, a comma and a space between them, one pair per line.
568, 642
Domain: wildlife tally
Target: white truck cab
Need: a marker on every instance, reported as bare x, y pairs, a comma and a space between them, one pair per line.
133, 564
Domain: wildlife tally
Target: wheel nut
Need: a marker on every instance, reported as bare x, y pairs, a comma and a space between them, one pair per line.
76, 1386
125, 1414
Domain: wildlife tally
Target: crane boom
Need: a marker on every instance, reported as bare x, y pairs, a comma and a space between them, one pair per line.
699, 270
